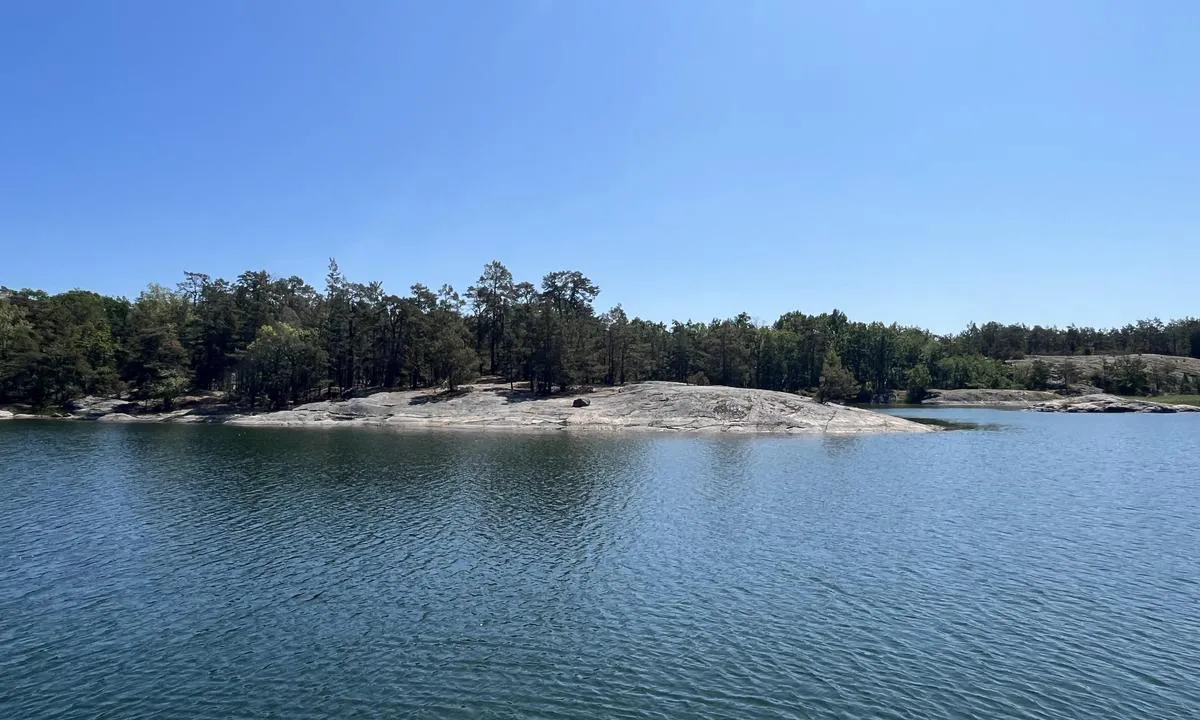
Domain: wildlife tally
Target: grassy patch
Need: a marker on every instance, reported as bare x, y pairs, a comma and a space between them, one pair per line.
1169, 399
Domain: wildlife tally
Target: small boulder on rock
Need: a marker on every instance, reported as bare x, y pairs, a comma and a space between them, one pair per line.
580, 402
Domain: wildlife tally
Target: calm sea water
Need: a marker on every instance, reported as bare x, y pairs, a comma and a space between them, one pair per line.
1046, 568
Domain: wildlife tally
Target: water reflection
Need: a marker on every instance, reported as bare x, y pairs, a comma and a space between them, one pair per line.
218, 572
836, 446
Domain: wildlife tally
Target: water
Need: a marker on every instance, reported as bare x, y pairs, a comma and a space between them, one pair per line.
1044, 569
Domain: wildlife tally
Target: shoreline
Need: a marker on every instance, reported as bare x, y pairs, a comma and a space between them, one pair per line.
1047, 401
645, 407
660, 407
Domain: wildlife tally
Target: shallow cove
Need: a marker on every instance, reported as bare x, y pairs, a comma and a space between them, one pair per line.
1044, 569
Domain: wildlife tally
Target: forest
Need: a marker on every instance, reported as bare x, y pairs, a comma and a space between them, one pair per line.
264, 341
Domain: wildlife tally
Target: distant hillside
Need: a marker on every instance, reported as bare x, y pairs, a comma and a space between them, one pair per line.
1089, 364
1124, 374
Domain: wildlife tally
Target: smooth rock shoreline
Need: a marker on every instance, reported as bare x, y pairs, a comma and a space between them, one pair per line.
654, 406
658, 406
988, 398
1103, 403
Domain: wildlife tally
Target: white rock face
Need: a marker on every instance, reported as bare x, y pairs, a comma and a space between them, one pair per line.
658, 406
5, 415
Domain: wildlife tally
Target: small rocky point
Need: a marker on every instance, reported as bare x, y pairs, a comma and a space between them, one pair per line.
1103, 403
988, 397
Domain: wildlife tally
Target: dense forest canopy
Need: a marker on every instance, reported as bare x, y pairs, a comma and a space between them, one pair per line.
270, 341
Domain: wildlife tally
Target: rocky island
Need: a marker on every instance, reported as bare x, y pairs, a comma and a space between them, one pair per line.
509, 353
1104, 403
663, 406
656, 406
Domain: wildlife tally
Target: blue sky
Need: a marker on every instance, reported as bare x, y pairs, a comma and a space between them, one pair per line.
933, 162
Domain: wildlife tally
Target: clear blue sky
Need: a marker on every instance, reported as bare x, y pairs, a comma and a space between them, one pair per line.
931, 162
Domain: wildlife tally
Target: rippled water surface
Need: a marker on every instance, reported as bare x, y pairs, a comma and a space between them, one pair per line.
1047, 568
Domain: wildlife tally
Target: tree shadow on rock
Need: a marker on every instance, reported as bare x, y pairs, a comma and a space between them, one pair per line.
438, 397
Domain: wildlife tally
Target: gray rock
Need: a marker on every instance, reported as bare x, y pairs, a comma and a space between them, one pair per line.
6, 415
993, 398
121, 418
93, 408
658, 406
1102, 403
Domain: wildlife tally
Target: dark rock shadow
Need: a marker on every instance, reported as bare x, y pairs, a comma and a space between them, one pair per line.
438, 397
519, 396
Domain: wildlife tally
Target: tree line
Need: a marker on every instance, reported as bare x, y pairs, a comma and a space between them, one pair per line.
268, 341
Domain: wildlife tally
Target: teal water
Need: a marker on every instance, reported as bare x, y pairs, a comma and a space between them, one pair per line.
1046, 568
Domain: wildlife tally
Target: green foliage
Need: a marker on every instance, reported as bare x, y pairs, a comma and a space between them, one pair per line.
972, 371
1037, 376
1160, 378
59, 347
567, 336
18, 352
281, 364
454, 360
278, 340
1177, 399
1126, 376
168, 386
837, 383
158, 363
1136, 375
492, 298
1070, 373
919, 382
